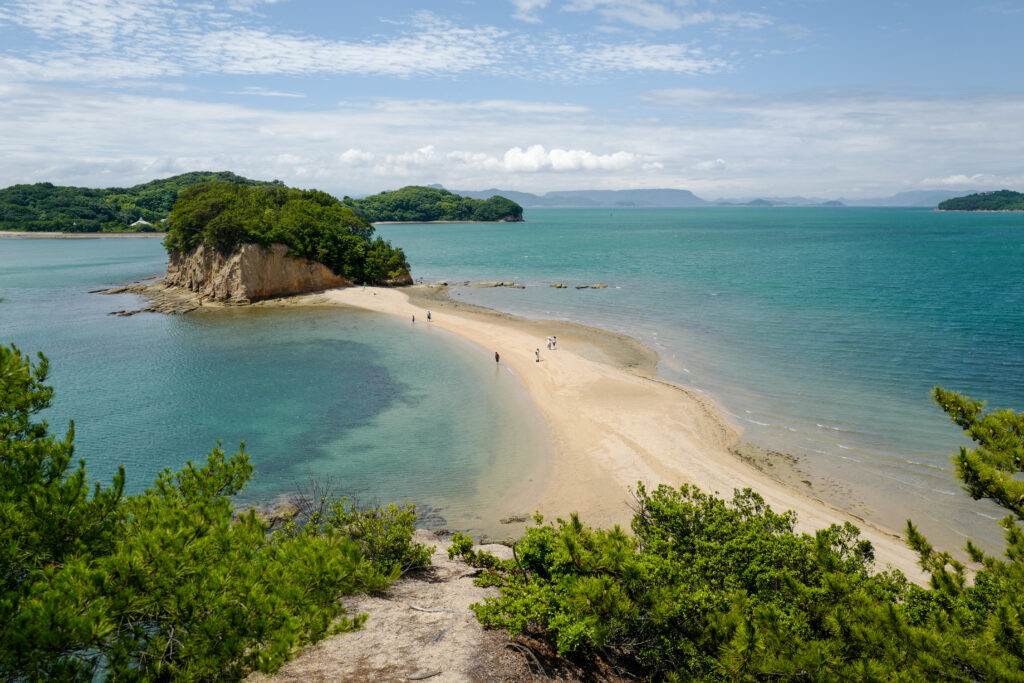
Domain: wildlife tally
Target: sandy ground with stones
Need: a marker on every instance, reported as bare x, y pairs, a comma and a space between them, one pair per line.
421, 629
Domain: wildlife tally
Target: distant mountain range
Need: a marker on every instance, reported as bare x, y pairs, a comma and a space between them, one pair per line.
669, 198
594, 198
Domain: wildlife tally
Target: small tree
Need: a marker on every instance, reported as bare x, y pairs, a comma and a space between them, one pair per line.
164, 585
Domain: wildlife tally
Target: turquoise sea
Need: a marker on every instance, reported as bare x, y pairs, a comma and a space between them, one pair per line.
819, 332
376, 408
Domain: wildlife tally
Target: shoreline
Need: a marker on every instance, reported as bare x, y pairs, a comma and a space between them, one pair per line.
614, 422
611, 420
441, 222
25, 235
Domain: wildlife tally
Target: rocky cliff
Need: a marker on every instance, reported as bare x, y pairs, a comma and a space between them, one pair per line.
251, 272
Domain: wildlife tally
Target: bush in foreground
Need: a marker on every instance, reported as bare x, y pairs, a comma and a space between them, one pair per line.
709, 589
164, 585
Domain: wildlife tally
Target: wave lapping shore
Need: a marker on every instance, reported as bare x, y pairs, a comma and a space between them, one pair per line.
612, 421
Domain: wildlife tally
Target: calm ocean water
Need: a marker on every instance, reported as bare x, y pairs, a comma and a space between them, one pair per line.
819, 331
382, 409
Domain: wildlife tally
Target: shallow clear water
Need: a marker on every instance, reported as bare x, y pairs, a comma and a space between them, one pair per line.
819, 331
383, 409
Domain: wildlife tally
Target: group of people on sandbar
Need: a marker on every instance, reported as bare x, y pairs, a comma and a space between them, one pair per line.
552, 346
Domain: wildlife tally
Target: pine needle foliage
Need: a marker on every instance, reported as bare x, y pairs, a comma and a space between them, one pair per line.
166, 585
710, 589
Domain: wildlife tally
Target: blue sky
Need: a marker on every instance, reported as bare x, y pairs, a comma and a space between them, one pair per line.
823, 98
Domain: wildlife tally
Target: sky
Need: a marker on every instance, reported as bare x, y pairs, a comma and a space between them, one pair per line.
726, 98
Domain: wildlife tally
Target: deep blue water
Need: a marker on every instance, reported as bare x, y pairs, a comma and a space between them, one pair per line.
820, 331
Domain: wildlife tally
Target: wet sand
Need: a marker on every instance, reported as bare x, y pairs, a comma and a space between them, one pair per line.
612, 421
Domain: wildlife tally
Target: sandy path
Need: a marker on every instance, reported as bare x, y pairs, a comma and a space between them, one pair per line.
612, 427
420, 629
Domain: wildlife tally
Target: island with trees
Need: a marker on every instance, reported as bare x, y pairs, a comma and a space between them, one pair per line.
419, 204
998, 200
45, 207
232, 241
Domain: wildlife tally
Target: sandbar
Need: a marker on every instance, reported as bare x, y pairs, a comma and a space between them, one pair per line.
612, 421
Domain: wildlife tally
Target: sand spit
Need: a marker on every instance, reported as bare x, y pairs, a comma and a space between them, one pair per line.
611, 420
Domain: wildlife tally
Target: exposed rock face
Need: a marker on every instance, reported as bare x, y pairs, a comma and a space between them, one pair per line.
249, 273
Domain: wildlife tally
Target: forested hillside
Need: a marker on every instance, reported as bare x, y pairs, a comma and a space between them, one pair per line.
1000, 200
420, 204
45, 207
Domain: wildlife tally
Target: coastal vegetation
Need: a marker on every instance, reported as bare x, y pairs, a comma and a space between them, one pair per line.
999, 200
172, 583
312, 224
44, 207
709, 589
422, 204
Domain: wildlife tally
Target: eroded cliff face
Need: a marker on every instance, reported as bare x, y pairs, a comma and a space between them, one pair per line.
249, 273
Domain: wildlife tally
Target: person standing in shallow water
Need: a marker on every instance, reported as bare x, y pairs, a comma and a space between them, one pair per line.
497, 358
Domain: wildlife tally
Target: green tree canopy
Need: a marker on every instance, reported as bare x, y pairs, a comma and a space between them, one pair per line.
416, 203
708, 589
999, 200
54, 208
312, 224
169, 584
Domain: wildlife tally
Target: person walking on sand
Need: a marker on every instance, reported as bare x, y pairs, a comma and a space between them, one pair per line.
428, 316
549, 343
537, 352
497, 358
554, 343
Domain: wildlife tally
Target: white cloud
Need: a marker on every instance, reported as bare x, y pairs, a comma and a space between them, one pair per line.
660, 16
102, 41
962, 179
647, 57
642, 13
536, 158
711, 165
263, 92
715, 143
526, 10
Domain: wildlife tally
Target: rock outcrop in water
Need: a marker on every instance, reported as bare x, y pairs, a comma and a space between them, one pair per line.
248, 273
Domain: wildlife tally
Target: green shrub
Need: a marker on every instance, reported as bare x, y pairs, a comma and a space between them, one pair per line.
708, 589
383, 534
462, 548
164, 585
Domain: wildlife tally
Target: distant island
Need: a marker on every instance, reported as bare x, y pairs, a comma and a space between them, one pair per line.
421, 204
45, 207
999, 200
671, 198
229, 241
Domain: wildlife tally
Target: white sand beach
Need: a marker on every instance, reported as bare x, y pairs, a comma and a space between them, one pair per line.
611, 420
